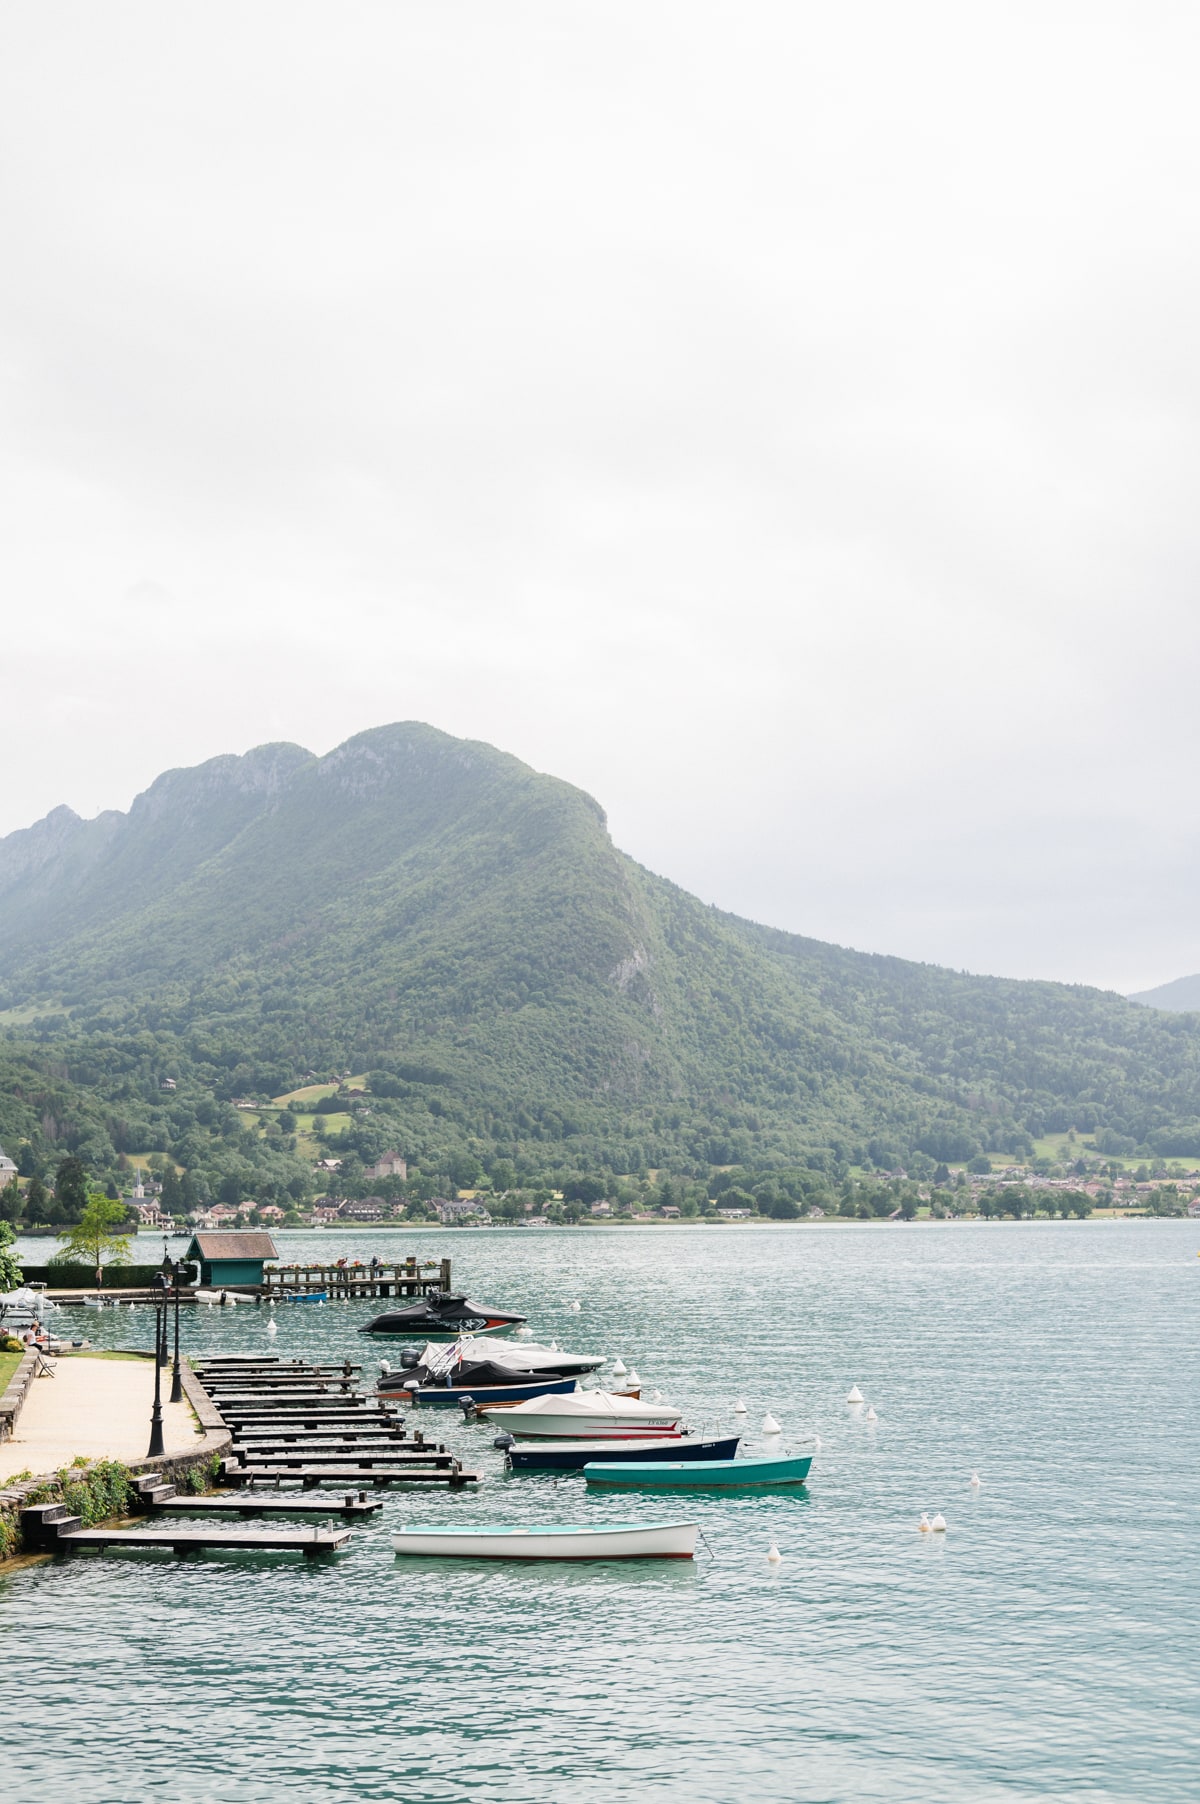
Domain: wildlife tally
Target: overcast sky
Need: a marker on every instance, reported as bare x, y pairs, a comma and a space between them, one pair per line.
780, 420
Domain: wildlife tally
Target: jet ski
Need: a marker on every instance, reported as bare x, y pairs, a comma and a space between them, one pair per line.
442, 1315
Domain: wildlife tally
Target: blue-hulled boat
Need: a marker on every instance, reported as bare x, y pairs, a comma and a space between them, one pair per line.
730, 1474
402, 1386
572, 1456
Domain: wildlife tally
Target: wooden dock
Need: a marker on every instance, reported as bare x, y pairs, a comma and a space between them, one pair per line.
410, 1279
225, 1505
52, 1529
286, 1422
454, 1477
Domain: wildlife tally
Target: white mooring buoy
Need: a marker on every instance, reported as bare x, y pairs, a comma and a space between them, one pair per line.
774, 1557
938, 1525
272, 1328
739, 1408
770, 1425
855, 1396
924, 1524
634, 1380
619, 1367
976, 1481
871, 1414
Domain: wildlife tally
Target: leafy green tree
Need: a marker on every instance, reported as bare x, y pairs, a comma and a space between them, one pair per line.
171, 1201
10, 1202
37, 1202
10, 1271
71, 1187
92, 1237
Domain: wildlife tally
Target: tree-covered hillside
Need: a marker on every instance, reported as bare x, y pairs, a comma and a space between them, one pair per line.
432, 911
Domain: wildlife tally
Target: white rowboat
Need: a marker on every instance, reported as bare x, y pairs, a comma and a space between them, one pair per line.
557, 1541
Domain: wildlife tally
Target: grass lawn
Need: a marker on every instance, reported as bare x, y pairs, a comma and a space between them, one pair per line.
309, 1093
8, 1365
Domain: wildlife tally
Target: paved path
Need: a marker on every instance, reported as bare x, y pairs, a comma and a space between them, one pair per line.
97, 1407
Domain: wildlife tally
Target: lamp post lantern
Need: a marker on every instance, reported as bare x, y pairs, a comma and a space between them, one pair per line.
160, 1311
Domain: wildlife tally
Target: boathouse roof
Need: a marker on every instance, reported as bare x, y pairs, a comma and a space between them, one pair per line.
238, 1243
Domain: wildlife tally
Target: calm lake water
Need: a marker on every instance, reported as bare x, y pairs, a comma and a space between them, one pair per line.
1045, 1648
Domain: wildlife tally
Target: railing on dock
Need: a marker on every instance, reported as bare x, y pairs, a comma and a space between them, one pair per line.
410, 1278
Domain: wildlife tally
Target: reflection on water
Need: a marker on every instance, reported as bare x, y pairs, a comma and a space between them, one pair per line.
1042, 1648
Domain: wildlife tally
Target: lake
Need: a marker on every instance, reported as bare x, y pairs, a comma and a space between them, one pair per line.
1044, 1648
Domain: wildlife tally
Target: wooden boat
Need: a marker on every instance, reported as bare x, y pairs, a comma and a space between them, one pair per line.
552, 1541
730, 1474
572, 1456
596, 1415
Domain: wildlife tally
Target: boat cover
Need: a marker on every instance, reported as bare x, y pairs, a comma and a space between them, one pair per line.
597, 1405
527, 1356
484, 1373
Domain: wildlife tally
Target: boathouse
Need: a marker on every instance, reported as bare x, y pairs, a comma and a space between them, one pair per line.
235, 1257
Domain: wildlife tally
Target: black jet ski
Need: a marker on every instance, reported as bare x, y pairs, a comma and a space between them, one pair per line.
442, 1316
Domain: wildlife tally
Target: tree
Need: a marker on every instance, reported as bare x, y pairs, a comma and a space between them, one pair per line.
171, 1201
70, 1187
92, 1237
10, 1271
10, 1202
36, 1201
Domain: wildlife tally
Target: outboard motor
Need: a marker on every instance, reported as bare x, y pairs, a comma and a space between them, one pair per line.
503, 1442
409, 1357
467, 1405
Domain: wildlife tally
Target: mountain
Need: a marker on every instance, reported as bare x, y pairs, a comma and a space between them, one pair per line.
434, 912
1182, 996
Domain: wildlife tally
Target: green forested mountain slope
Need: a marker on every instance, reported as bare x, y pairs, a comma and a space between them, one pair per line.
434, 911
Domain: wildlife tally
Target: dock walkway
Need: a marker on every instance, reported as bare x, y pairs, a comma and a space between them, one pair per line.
286, 1423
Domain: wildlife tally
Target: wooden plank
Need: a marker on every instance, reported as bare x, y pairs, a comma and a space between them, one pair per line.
197, 1540
268, 1506
344, 1456
383, 1475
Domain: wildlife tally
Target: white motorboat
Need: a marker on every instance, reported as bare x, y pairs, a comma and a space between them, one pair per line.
591, 1415
552, 1541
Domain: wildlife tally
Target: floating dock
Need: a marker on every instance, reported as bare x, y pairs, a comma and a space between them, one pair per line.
307, 1423
51, 1528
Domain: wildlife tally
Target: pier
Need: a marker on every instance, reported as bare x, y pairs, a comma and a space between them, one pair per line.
54, 1530
411, 1279
309, 1424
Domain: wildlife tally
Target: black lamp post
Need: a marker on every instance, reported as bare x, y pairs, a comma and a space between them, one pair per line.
160, 1313
176, 1375
164, 1278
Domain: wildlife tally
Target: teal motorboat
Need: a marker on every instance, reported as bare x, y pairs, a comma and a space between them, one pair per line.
730, 1474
